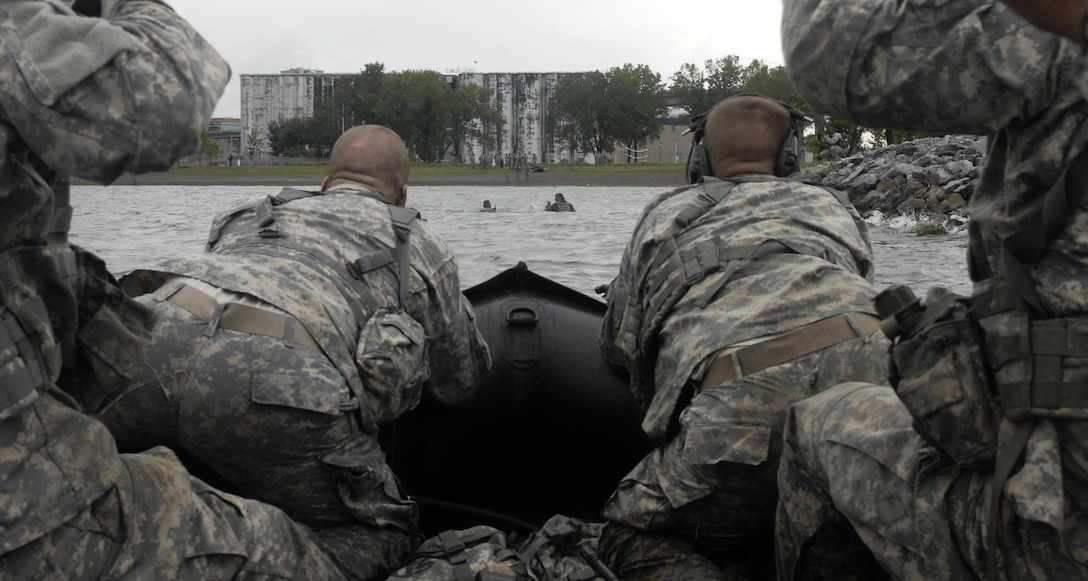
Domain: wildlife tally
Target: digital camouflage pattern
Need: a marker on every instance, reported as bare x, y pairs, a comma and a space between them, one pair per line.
561, 206
283, 422
765, 296
713, 477
132, 94
950, 67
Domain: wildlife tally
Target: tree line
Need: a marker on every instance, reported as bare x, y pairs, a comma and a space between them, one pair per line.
589, 112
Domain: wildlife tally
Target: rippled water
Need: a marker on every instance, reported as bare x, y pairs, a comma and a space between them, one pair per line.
137, 226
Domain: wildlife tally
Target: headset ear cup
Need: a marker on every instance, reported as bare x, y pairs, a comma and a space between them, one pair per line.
698, 162
788, 157
698, 165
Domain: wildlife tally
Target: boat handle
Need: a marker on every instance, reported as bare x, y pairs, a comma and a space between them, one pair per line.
522, 317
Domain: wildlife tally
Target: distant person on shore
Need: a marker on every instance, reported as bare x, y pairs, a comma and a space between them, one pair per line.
559, 205
736, 297
313, 318
487, 207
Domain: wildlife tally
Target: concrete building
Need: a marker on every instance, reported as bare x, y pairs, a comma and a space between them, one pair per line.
228, 132
523, 98
294, 93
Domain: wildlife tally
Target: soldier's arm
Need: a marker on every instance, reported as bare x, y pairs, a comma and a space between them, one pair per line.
132, 94
969, 66
458, 354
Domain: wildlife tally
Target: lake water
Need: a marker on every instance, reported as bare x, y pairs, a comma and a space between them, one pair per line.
138, 226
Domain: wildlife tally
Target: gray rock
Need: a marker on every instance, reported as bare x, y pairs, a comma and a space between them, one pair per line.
929, 178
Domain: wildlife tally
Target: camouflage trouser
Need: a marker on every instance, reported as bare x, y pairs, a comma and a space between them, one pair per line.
714, 482
856, 496
155, 522
276, 421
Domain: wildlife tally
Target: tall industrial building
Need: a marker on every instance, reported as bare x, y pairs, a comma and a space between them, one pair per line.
294, 93
523, 99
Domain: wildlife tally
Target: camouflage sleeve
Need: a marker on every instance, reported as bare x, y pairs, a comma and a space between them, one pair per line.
625, 292
618, 295
132, 94
458, 354
958, 66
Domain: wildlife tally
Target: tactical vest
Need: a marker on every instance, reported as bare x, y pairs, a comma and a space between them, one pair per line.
680, 263
350, 282
63, 312
1025, 349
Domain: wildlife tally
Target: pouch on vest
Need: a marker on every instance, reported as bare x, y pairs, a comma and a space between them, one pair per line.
474, 554
564, 549
938, 369
114, 334
392, 359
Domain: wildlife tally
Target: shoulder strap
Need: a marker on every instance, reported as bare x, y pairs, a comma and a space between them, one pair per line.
456, 554
402, 227
262, 207
1024, 248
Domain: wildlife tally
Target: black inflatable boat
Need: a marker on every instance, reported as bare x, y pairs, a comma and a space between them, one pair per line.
551, 430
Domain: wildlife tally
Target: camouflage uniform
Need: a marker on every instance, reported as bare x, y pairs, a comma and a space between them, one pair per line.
132, 93
563, 206
852, 476
710, 483
283, 421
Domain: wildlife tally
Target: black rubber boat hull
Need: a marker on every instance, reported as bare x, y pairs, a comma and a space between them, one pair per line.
551, 430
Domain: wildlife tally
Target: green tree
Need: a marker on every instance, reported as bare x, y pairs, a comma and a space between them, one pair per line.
596, 111
428, 114
771, 82
356, 96
208, 146
291, 137
641, 97
579, 106
417, 105
474, 113
696, 89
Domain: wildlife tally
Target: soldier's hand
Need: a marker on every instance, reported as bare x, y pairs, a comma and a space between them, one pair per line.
1061, 17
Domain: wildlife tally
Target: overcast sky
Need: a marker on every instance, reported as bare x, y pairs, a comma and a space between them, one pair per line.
486, 36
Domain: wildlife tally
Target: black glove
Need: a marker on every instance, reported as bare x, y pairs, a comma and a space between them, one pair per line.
87, 7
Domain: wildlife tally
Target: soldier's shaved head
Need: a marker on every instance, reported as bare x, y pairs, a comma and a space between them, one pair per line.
745, 134
371, 155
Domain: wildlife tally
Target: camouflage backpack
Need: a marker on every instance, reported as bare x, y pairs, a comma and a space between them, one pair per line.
564, 549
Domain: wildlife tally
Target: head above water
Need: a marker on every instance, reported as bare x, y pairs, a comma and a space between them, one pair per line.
559, 197
373, 156
746, 134
487, 203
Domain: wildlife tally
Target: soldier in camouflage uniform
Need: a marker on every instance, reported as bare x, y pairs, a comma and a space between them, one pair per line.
736, 297
95, 97
856, 479
261, 367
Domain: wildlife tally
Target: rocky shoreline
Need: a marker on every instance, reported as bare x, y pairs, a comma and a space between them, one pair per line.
929, 179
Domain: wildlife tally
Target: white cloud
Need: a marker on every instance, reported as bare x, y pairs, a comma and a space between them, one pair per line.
342, 36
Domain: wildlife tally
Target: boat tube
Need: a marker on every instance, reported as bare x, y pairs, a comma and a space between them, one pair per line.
552, 427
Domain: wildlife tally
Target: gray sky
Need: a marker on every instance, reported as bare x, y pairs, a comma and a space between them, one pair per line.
342, 36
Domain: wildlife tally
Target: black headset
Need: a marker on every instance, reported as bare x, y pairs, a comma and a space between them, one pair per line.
789, 156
